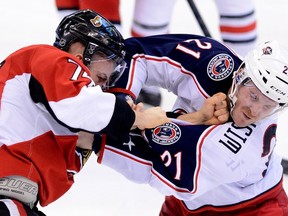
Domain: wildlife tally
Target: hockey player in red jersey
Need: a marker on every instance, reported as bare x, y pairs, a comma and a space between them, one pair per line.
148, 11
50, 93
228, 169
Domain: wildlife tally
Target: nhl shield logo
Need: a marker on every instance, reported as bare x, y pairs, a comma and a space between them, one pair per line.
220, 67
166, 134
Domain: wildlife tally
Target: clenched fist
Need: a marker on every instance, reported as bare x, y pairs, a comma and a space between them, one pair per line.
214, 111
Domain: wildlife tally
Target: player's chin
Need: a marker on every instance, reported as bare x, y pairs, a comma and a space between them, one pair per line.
242, 122
241, 119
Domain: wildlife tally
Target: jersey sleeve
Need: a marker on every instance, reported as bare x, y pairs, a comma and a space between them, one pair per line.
64, 86
169, 158
201, 65
187, 161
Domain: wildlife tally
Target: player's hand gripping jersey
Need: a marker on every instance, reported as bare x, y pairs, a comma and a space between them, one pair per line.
192, 67
42, 92
209, 167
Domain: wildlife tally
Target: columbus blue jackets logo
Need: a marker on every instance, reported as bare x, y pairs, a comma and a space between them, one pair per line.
166, 134
220, 67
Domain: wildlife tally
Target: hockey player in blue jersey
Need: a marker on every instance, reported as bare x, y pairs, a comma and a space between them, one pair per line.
228, 169
176, 62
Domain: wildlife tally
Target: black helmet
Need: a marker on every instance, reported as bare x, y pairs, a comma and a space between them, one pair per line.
95, 32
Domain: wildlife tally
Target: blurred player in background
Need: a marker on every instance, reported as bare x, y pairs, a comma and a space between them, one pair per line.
237, 21
107, 8
237, 24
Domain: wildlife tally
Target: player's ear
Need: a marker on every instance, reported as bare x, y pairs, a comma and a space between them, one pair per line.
79, 56
77, 49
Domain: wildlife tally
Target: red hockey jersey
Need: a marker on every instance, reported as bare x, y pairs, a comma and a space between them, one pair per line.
46, 97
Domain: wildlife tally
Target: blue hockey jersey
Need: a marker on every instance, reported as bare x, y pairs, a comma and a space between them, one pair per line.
192, 67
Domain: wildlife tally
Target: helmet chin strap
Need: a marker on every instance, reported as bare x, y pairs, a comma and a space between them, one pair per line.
234, 87
239, 76
232, 95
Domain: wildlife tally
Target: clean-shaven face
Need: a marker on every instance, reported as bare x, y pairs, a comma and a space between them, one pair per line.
251, 105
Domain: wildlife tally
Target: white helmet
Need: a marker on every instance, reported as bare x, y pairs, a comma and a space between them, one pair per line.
267, 67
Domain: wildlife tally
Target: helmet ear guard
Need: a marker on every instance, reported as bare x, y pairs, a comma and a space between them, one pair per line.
90, 50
